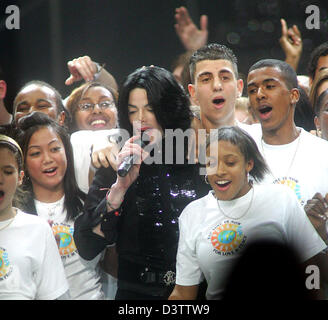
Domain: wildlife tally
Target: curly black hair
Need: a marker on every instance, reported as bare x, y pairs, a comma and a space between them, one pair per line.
320, 51
165, 95
288, 73
59, 101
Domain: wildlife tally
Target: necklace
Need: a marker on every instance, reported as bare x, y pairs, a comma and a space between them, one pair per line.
293, 158
9, 223
243, 214
50, 208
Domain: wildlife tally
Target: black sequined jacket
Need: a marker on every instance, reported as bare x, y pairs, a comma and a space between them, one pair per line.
147, 228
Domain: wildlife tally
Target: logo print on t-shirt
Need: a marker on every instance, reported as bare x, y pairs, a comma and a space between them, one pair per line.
5, 267
293, 184
227, 238
67, 246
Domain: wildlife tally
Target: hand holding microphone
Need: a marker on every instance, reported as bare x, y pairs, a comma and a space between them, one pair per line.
131, 155
130, 160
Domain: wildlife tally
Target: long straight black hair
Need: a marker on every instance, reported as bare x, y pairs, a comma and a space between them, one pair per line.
73, 195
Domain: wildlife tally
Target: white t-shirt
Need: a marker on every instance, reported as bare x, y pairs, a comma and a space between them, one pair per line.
210, 242
31, 268
301, 165
84, 281
247, 127
81, 142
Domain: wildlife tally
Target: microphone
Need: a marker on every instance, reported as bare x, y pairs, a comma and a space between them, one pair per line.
128, 161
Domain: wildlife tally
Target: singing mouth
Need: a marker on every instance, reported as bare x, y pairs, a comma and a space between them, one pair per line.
223, 183
265, 109
50, 171
145, 129
218, 102
2, 194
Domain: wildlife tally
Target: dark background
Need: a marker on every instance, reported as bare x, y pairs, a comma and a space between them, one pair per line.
127, 34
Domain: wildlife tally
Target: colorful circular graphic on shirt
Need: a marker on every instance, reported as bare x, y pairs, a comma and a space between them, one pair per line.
5, 267
66, 245
292, 184
227, 238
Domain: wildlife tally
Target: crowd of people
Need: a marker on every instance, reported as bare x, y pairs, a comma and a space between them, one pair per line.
155, 189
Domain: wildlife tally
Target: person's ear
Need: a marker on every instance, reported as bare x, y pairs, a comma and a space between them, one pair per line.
249, 165
240, 87
3, 89
317, 123
192, 93
20, 177
61, 118
294, 95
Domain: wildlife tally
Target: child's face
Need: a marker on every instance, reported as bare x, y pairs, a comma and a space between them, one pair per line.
10, 178
227, 170
46, 160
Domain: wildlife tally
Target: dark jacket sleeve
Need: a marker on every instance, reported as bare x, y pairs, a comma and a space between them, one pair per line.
89, 244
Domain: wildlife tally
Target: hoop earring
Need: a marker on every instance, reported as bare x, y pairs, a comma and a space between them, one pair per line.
206, 179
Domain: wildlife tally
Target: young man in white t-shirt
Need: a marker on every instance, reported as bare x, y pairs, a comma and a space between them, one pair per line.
215, 85
295, 157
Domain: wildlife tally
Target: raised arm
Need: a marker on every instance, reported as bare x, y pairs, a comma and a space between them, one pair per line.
96, 228
83, 68
89, 243
191, 37
291, 44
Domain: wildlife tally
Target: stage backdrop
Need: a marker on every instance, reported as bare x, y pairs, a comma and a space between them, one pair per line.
127, 34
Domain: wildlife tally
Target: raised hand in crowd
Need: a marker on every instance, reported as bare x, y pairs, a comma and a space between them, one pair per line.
291, 43
191, 37
84, 68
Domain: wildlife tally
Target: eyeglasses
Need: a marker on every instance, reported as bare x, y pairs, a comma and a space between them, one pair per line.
91, 106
